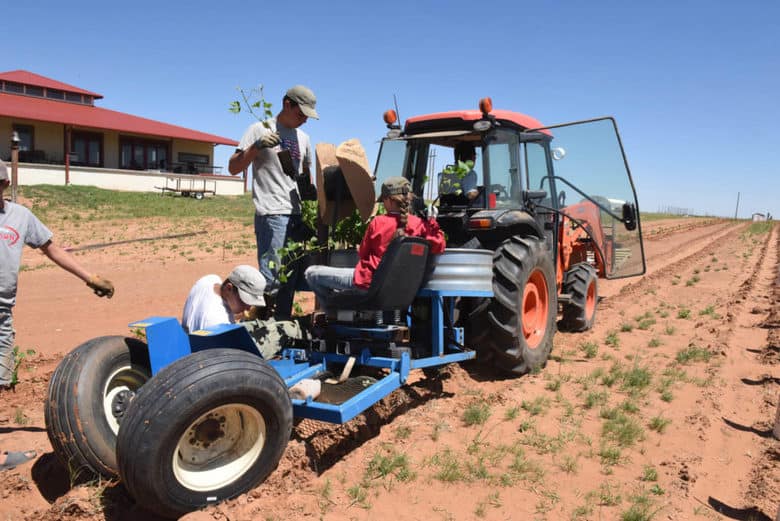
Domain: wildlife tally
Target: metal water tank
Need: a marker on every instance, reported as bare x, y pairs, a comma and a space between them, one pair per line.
461, 269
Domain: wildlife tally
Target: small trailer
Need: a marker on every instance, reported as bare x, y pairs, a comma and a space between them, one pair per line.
188, 186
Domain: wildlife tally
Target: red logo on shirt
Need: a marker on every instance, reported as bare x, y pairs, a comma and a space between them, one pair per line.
7, 233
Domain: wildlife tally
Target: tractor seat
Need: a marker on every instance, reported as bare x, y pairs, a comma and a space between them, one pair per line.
395, 282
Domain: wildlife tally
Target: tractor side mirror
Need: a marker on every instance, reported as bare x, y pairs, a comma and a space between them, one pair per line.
629, 216
534, 195
531, 137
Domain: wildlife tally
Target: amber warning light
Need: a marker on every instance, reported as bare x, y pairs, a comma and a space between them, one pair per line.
390, 117
481, 223
486, 105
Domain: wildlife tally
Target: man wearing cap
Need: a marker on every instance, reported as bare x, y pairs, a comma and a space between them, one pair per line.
212, 301
18, 226
275, 192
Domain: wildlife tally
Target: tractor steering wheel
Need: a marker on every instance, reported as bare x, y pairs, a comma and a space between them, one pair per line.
498, 190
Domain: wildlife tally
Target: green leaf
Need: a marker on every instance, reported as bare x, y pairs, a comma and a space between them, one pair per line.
235, 107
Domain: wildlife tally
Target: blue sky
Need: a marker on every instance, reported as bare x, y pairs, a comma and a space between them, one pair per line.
693, 84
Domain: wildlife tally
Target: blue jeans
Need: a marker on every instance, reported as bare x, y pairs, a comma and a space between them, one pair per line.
272, 232
325, 280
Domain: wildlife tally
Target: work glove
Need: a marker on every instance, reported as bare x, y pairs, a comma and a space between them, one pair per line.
252, 313
268, 140
101, 286
432, 211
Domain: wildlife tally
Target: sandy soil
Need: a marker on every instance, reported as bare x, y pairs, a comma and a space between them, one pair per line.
685, 357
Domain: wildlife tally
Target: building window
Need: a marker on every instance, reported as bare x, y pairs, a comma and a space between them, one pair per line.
32, 90
55, 94
26, 137
139, 154
86, 149
72, 96
192, 163
14, 87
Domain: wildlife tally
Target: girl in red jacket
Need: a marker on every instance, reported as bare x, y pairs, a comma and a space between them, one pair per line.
396, 195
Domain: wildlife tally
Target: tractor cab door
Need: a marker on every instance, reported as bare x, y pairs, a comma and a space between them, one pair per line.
588, 177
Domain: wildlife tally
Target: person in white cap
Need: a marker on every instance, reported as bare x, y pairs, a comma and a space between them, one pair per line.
275, 191
19, 226
212, 301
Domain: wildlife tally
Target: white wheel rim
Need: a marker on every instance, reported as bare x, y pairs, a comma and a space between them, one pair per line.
219, 447
125, 380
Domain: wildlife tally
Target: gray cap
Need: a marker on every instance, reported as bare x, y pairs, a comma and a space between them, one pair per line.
305, 99
250, 284
3, 171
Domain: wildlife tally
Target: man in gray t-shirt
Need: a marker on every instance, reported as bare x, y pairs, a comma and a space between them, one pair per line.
274, 190
18, 226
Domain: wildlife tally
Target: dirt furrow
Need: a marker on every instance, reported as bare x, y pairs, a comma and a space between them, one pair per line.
696, 350
667, 254
740, 417
763, 490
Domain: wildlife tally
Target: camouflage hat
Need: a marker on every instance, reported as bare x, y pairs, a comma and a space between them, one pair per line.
305, 99
394, 186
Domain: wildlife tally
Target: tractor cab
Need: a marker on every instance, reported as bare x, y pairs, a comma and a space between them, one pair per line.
494, 174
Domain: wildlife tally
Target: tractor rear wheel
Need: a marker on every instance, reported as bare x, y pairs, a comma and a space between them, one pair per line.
208, 427
581, 282
88, 395
517, 325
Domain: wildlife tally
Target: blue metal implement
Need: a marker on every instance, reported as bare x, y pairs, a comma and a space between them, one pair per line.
168, 342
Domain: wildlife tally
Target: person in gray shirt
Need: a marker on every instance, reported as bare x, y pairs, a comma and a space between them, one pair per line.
18, 226
275, 186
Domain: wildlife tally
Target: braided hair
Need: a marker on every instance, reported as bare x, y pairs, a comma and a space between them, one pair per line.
403, 218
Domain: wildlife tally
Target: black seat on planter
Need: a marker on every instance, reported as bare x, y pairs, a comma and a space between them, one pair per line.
396, 280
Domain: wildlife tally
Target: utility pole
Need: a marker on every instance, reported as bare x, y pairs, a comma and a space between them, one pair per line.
737, 210
14, 164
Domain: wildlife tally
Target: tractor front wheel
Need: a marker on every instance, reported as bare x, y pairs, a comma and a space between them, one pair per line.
88, 396
517, 325
207, 428
581, 282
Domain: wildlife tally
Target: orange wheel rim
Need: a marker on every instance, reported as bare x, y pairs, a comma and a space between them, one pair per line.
535, 309
590, 300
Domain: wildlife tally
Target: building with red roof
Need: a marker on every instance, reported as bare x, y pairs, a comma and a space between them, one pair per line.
59, 125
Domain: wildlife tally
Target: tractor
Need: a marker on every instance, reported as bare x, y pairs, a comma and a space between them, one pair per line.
188, 419
556, 205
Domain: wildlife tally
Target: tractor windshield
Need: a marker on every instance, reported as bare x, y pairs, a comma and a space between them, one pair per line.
432, 163
593, 186
454, 167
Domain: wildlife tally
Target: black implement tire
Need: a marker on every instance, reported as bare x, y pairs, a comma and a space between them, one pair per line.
517, 325
87, 398
208, 427
581, 282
